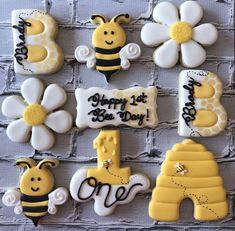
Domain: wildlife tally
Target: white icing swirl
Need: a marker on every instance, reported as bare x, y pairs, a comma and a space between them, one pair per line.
58, 196
52, 209
18, 209
132, 51
11, 197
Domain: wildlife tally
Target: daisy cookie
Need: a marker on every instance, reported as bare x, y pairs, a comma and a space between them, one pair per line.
35, 114
189, 171
134, 107
110, 54
35, 49
109, 184
178, 33
200, 110
35, 196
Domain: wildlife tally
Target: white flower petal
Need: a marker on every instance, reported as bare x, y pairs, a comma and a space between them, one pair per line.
18, 131
13, 107
153, 34
166, 13
167, 55
193, 54
206, 34
54, 97
191, 12
32, 90
60, 121
42, 138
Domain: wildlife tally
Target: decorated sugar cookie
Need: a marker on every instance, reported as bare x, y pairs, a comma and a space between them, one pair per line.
110, 53
35, 196
174, 35
108, 184
36, 114
200, 110
189, 171
134, 107
35, 49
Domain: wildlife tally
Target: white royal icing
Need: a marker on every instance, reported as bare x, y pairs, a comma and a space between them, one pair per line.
44, 39
104, 195
190, 105
98, 107
42, 137
158, 35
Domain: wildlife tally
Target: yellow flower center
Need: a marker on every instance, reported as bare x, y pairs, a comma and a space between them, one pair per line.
181, 32
34, 114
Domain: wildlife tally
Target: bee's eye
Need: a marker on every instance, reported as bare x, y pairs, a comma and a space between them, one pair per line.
112, 32
105, 32
39, 178
32, 179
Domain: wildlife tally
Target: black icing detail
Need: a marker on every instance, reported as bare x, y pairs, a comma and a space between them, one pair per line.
109, 43
35, 220
107, 51
120, 195
21, 52
32, 199
23, 162
34, 189
52, 164
36, 209
120, 15
189, 111
97, 16
108, 63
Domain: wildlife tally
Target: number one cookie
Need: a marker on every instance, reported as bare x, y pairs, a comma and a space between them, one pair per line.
200, 110
189, 171
35, 49
108, 184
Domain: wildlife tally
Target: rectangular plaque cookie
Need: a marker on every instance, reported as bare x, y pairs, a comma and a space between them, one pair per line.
134, 107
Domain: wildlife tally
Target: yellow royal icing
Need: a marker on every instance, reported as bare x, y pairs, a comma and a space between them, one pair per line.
37, 180
205, 118
34, 114
36, 53
189, 171
108, 153
181, 32
36, 27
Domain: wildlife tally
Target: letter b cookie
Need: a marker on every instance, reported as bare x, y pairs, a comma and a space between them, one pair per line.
200, 110
35, 49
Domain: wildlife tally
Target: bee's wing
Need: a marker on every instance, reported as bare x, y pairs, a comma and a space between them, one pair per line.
130, 51
85, 54
12, 198
57, 197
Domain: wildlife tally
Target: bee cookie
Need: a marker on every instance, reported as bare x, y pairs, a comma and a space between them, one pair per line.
109, 184
35, 49
35, 114
35, 196
134, 107
110, 53
174, 35
189, 171
200, 110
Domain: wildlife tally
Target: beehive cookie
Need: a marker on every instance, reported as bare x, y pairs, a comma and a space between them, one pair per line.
200, 110
189, 171
35, 49
35, 196
108, 184
110, 53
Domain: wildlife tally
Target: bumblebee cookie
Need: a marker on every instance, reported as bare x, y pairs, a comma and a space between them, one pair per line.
174, 36
35, 196
110, 53
35, 49
134, 107
36, 114
200, 110
189, 171
108, 184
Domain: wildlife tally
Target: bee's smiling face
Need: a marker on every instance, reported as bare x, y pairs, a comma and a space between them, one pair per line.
36, 182
109, 35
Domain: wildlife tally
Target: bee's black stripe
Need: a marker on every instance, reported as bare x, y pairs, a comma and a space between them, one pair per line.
107, 63
107, 51
27, 198
36, 209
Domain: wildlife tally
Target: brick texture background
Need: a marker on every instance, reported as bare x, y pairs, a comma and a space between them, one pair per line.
144, 149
